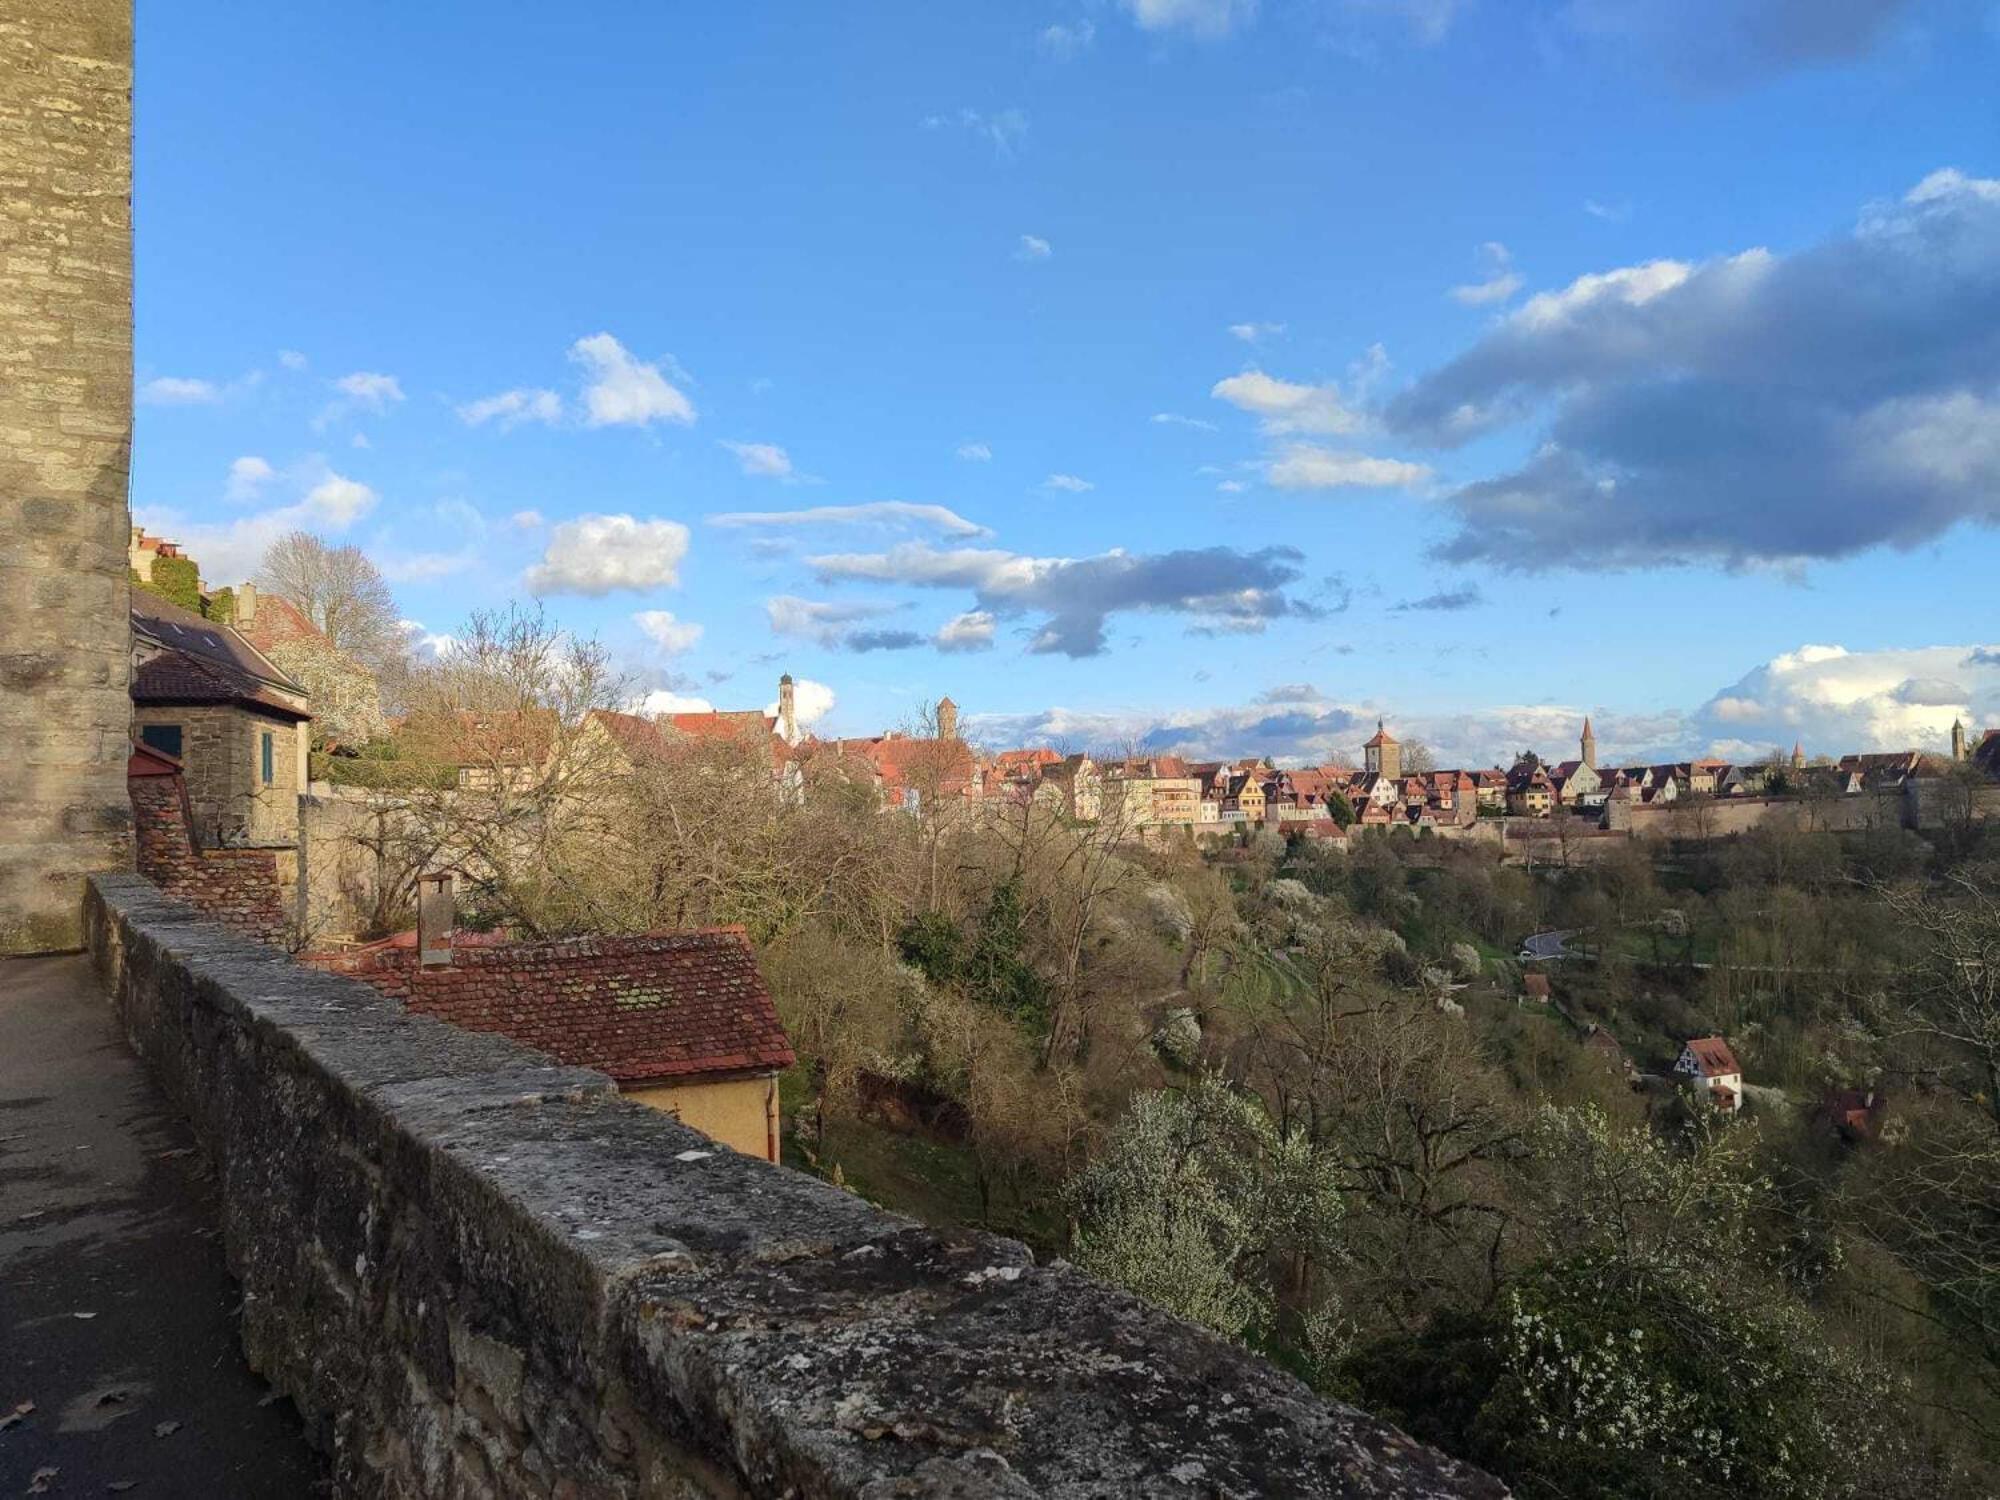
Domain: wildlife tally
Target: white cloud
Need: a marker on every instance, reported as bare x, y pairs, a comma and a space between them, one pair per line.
1232, 486
624, 391
761, 460
821, 621
1004, 130
1033, 247
1251, 333
873, 513
512, 408
1068, 483
179, 390
1611, 213
1285, 406
672, 636
975, 453
425, 641
1836, 700
811, 702
1305, 467
595, 555
526, 520
1500, 282
1174, 419
661, 701
247, 477
291, 359
370, 389
340, 501
971, 631
1205, 18
1067, 43
327, 503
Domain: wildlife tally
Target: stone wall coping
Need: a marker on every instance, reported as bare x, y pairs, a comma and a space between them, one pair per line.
480, 1272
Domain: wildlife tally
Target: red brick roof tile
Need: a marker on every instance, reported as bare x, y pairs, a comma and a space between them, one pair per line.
657, 1008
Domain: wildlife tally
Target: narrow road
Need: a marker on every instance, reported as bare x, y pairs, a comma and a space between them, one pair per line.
1546, 945
120, 1369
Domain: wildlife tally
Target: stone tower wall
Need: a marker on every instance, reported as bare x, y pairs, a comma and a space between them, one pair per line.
65, 443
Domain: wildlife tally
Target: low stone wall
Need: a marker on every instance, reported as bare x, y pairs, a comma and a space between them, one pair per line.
478, 1273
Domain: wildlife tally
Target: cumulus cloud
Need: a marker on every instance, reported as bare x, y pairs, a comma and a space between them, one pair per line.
971, 631
1216, 587
672, 636
597, 555
822, 621
1068, 483
370, 389
1301, 466
1204, 18
323, 501
1285, 406
667, 701
510, 409
623, 391
811, 702
1716, 43
975, 453
179, 390
1754, 409
425, 642
1499, 283
526, 520
873, 513
247, 477
1033, 247
1066, 43
762, 460
1836, 700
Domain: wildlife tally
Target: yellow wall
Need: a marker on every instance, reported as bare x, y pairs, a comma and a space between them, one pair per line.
741, 1113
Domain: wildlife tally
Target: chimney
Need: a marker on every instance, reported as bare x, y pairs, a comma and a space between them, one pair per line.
246, 604
788, 715
437, 914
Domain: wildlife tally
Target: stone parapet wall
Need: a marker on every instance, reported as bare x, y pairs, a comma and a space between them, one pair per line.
65, 438
478, 1273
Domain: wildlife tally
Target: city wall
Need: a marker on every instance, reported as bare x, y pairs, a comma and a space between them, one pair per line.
481, 1274
65, 441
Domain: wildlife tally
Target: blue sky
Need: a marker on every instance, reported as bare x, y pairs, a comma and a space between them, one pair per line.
1202, 372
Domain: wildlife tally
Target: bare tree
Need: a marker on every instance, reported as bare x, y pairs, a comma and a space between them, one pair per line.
341, 592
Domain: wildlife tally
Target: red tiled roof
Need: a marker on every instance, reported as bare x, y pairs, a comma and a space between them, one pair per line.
655, 1008
174, 678
1713, 1057
276, 621
173, 628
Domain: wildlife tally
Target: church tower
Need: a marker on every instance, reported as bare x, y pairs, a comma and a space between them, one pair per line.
1383, 754
1588, 745
788, 711
1957, 740
947, 719
1798, 755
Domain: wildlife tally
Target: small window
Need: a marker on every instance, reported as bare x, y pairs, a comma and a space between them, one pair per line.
165, 738
270, 749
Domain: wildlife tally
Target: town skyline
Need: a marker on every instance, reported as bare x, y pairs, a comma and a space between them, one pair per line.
1180, 373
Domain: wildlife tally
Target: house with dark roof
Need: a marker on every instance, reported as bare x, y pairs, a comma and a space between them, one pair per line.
236, 721
680, 1021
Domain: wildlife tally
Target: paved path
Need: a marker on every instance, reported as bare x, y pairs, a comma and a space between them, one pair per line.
1545, 945
116, 1312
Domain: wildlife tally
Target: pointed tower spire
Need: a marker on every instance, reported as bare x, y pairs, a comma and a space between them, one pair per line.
1587, 745
1798, 754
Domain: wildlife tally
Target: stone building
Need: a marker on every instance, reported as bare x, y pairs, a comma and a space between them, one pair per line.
65, 442
1383, 754
233, 719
